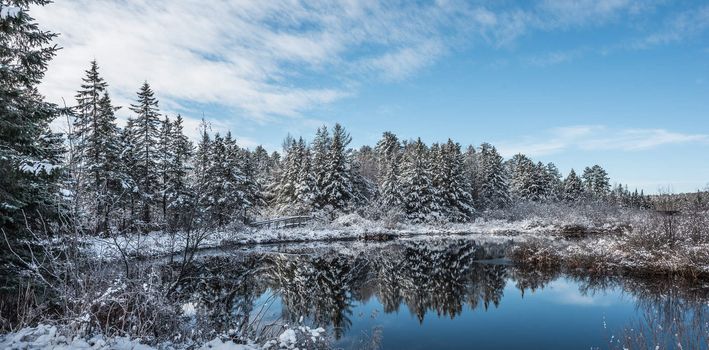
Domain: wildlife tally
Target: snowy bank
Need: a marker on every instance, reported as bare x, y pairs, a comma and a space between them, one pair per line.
344, 228
45, 337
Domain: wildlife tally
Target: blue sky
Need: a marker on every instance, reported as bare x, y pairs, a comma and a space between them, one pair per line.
621, 83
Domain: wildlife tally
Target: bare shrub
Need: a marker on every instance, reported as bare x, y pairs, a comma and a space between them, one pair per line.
538, 253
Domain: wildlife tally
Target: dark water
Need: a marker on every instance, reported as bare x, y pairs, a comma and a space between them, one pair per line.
445, 294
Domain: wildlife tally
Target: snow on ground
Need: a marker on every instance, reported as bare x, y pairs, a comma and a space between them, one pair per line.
45, 337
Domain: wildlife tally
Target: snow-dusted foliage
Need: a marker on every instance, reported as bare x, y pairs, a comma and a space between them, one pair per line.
31, 155
388, 151
416, 183
144, 137
338, 189
596, 181
573, 187
98, 178
453, 191
491, 178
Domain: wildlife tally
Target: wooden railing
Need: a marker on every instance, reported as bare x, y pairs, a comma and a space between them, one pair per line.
285, 222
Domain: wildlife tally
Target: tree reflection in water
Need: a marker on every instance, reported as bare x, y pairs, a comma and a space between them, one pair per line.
324, 286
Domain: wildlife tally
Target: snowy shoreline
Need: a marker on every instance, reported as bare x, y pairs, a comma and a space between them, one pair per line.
349, 228
595, 248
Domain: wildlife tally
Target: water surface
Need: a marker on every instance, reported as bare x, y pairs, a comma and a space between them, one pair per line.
444, 294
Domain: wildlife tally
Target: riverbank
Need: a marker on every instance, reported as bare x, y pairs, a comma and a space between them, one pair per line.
51, 337
347, 228
619, 242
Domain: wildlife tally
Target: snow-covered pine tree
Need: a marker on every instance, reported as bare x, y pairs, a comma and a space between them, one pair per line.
573, 187
388, 151
130, 200
596, 182
523, 178
438, 172
320, 149
178, 194
263, 173
541, 179
250, 186
109, 173
338, 188
492, 178
305, 185
200, 180
285, 194
365, 187
30, 162
235, 181
165, 154
261, 163
145, 136
218, 184
453, 187
273, 180
366, 161
86, 140
471, 169
555, 187
416, 184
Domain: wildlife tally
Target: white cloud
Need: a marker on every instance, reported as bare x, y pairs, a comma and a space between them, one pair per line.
267, 60
597, 137
247, 55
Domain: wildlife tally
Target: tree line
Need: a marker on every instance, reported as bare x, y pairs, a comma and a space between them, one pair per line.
149, 175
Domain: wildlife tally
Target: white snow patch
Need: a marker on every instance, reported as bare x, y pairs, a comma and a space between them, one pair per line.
287, 339
46, 337
188, 309
9, 12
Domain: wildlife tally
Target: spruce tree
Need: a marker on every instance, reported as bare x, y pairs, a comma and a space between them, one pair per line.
555, 188
218, 184
111, 179
201, 181
320, 150
338, 187
573, 187
286, 191
471, 172
250, 186
235, 180
388, 151
524, 183
178, 195
30, 154
596, 182
416, 183
305, 183
128, 167
86, 140
165, 154
454, 190
492, 178
146, 135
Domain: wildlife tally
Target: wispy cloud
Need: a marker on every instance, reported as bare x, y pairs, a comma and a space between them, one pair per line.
266, 60
249, 55
555, 57
597, 137
677, 28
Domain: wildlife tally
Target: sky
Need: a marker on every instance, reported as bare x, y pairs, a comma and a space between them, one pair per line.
620, 83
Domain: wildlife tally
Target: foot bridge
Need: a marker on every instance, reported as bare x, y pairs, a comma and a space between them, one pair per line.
285, 222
